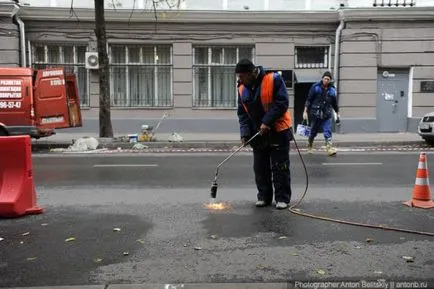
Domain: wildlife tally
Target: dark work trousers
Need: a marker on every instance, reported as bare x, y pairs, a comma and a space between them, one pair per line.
272, 167
316, 124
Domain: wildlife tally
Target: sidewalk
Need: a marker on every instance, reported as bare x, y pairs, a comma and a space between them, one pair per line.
228, 140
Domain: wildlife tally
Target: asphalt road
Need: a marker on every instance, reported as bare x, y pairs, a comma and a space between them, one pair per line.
157, 202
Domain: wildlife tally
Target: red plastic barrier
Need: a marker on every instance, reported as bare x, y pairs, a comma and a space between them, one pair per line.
17, 190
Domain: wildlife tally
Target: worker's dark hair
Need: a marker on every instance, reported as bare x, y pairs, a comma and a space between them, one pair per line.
328, 74
244, 65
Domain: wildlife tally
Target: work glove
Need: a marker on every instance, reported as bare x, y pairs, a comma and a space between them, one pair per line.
338, 121
244, 140
264, 129
305, 116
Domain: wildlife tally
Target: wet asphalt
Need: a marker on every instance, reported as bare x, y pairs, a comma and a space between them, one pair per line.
141, 218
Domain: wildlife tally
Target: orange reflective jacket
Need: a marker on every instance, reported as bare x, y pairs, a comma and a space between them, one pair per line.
267, 87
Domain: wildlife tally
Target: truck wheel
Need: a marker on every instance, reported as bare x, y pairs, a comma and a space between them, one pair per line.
3, 131
429, 141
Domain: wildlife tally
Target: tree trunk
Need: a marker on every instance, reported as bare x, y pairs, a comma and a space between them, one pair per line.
105, 125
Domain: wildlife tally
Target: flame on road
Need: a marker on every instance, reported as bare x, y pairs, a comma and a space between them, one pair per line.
217, 206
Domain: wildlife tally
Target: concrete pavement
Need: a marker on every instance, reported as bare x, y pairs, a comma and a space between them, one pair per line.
201, 131
234, 137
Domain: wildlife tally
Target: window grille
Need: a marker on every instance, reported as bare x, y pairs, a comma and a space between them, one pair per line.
214, 79
141, 75
311, 57
69, 56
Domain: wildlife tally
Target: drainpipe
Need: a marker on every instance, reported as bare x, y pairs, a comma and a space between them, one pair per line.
337, 50
22, 40
337, 57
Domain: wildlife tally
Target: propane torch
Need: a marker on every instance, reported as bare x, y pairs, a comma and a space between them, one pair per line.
214, 185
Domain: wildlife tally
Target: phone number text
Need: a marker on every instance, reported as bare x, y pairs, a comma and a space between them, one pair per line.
10, 104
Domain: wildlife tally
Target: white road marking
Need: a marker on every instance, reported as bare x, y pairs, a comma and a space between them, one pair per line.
352, 164
123, 165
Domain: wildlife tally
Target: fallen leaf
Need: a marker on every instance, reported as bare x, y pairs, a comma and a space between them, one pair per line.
97, 260
26, 234
71, 239
126, 253
409, 259
1, 239
358, 247
294, 254
321, 272
213, 237
283, 237
401, 238
116, 229
378, 272
369, 240
44, 224
260, 266
141, 241
31, 259
197, 248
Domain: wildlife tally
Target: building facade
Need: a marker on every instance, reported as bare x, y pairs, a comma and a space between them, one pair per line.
183, 60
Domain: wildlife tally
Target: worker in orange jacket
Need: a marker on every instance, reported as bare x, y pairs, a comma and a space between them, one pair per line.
263, 106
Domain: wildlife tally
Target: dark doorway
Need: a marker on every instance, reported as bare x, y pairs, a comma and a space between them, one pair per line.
301, 90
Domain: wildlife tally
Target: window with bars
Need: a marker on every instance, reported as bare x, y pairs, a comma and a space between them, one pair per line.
312, 57
214, 79
141, 75
69, 56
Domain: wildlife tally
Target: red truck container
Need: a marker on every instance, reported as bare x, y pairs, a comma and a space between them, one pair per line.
37, 102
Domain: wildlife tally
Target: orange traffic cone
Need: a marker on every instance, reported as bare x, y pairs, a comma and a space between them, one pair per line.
421, 191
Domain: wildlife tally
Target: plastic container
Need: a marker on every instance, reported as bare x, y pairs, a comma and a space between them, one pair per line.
133, 138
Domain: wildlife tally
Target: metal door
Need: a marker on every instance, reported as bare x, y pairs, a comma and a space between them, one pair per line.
50, 99
15, 96
392, 100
